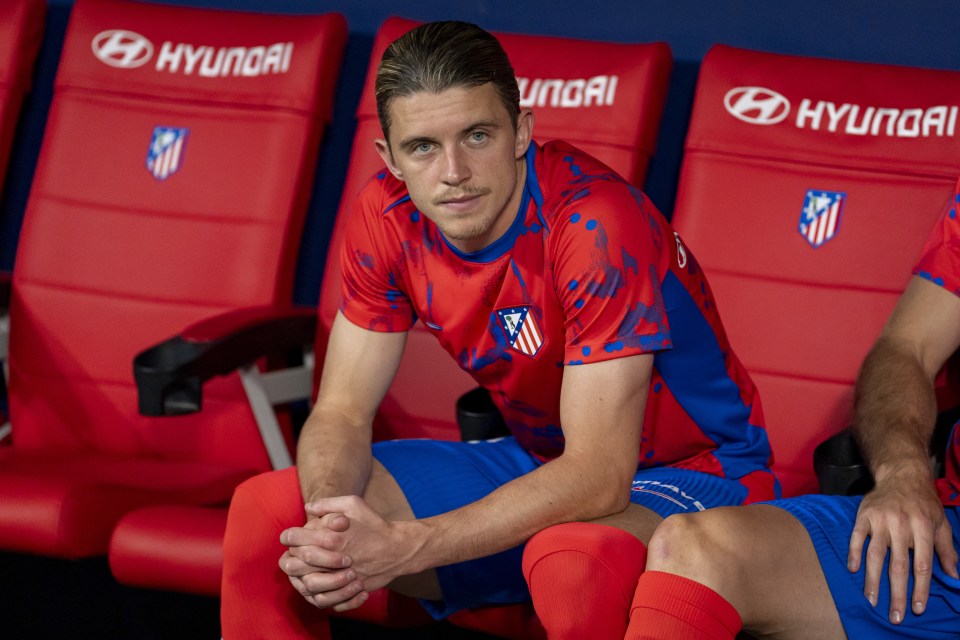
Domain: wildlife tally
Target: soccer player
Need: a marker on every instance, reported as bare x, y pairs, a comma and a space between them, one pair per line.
879, 566
563, 291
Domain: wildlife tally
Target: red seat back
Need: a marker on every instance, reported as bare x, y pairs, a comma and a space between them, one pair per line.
870, 154
606, 98
21, 30
171, 186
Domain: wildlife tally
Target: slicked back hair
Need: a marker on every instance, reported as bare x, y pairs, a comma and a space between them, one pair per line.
438, 56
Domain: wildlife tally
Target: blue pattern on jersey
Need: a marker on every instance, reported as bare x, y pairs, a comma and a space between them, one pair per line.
696, 374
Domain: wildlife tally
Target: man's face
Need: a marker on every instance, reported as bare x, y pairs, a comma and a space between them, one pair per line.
461, 159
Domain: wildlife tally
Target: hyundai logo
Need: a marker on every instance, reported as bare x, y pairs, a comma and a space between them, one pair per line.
756, 105
121, 49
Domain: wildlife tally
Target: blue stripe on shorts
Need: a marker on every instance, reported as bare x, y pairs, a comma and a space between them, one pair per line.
438, 476
829, 520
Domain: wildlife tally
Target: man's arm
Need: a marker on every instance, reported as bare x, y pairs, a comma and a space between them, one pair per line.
602, 406
894, 419
333, 452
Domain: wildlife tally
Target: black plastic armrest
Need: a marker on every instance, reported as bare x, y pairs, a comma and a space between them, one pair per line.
841, 469
5, 289
170, 375
478, 418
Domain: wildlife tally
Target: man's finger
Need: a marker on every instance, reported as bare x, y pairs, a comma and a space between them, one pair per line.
353, 602
302, 536
300, 561
336, 597
922, 571
946, 552
336, 504
876, 554
323, 582
857, 538
899, 574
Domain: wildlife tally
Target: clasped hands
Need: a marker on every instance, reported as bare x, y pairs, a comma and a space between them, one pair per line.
344, 551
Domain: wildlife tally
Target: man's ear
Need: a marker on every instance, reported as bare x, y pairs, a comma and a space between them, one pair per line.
524, 132
383, 148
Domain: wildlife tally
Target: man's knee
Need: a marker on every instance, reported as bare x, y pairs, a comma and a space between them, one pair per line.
582, 577
264, 505
594, 547
689, 544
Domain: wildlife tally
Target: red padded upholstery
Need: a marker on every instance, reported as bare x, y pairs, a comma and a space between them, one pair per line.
21, 30
120, 250
766, 130
553, 73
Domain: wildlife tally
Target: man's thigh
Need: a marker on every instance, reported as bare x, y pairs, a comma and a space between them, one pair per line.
828, 521
424, 478
665, 491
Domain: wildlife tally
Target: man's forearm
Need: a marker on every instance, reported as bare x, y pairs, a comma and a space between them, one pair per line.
560, 491
333, 458
895, 410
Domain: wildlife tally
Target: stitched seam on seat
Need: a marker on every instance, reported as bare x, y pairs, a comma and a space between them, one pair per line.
156, 213
88, 291
804, 283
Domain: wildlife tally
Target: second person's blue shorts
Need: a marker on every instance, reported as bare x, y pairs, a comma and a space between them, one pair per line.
829, 520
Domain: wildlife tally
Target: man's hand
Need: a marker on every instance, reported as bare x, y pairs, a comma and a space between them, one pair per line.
902, 513
343, 552
377, 548
320, 573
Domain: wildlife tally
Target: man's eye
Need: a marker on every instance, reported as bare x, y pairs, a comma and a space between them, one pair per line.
423, 147
478, 136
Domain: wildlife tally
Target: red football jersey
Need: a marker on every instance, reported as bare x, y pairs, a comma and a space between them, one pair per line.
588, 271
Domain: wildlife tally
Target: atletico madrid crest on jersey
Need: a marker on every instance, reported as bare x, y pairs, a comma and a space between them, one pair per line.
820, 219
166, 151
521, 329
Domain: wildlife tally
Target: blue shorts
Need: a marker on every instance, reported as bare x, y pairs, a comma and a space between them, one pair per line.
829, 520
437, 477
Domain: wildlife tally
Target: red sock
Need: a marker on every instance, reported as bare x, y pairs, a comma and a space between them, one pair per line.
257, 600
670, 606
582, 578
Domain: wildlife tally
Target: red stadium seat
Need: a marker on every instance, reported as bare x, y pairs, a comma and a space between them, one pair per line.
606, 98
171, 186
21, 30
807, 189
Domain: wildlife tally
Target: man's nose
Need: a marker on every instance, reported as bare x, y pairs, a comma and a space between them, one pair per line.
456, 169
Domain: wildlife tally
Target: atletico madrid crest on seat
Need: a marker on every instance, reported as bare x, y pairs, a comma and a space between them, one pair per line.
521, 329
820, 219
165, 155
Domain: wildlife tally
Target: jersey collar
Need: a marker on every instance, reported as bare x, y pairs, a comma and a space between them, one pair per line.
500, 246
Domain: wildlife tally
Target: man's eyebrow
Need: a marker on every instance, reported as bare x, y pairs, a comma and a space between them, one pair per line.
413, 141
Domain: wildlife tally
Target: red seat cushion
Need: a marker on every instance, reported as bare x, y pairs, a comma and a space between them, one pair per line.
773, 137
183, 548
171, 185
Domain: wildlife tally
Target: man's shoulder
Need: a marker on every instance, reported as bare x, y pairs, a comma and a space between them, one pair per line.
382, 192
572, 180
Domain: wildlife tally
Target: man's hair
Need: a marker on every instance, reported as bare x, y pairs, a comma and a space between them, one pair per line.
437, 56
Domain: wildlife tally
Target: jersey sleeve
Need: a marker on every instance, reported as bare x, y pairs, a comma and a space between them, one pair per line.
940, 259
371, 294
610, 258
